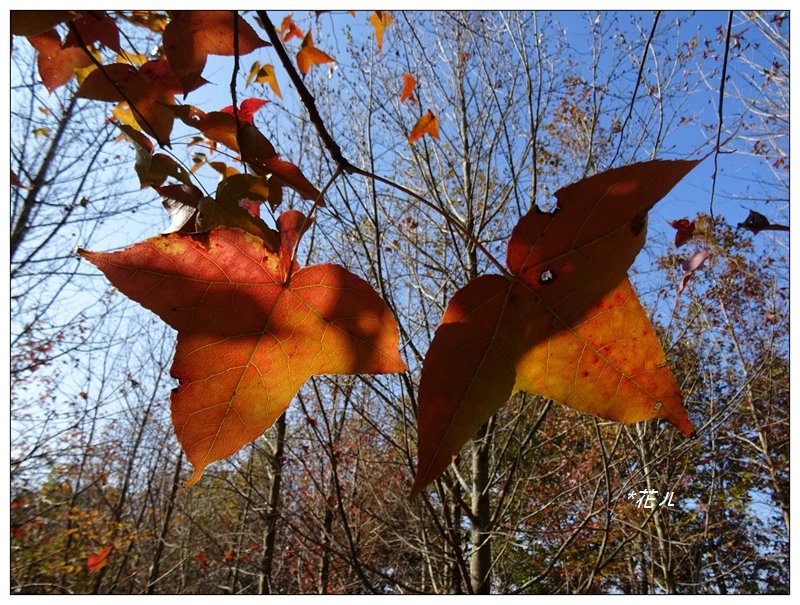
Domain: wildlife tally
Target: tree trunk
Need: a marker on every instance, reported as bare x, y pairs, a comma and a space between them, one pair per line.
480, 562
267, 561
162, 536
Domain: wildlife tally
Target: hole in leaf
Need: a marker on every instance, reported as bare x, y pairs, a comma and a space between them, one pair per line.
547, 277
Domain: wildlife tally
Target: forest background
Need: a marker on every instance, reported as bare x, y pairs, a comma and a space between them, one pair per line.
526, 103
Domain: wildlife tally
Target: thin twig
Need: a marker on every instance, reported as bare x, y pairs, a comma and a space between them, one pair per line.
636, 88
305, 96
235, 72
720, 115
335, 151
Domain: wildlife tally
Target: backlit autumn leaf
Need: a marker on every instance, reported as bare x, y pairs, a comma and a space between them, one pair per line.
566, 324
264, 74
380, 20
99, 560
149, 92
32, 22
255, 149
289, 30
193, 35
252, 327
91, 27
247, 109
427, 124
56, 65
309, 55
685, 230
236, 204
409, 84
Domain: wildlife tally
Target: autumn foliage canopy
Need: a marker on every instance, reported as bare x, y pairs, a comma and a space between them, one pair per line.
561, 319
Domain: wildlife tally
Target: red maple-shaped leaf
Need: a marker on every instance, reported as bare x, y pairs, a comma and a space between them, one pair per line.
252, 327
309, 55
193, 35
56, 65
565, 324
99, 560
427, 124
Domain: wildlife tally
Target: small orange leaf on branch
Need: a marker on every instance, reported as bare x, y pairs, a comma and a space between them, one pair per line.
309, 55
264, 74
409, 84
380, 20
427, 124
289, 30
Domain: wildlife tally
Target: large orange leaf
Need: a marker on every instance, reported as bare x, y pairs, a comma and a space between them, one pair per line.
193, 35
252, 327
566, 324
